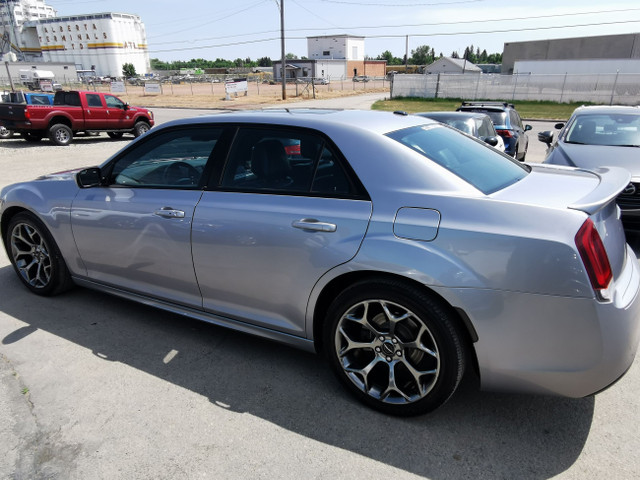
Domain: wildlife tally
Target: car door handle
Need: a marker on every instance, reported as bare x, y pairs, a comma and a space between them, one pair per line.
168, 212
313, 225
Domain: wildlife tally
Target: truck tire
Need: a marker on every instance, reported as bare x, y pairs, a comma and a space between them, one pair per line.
140, 128
5, 133
31, 137
115, 135
60, 134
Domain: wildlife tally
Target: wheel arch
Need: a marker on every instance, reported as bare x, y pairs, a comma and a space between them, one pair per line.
335, 286
60, 119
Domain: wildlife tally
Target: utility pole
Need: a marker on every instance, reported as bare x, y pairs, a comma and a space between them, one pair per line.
283, 71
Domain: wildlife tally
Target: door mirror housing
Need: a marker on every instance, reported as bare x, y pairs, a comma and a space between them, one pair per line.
89, 177
493, 141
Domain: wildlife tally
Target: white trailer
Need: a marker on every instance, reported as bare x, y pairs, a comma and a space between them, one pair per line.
32, 78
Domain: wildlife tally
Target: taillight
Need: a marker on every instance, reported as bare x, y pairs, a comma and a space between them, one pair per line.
505, 133
27, 114
594, 256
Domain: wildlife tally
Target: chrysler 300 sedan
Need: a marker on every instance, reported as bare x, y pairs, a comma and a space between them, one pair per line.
402, 250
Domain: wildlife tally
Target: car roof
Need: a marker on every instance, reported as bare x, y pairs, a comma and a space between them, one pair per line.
498, 106
361, 120
599, 109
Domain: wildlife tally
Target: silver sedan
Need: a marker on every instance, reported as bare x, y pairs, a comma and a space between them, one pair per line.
402, 250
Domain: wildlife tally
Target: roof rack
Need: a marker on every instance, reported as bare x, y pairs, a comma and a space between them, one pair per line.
488, 104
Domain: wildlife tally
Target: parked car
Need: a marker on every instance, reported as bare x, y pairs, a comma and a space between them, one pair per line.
361, 78
73, 112
598, 136
403, 250
508, 125
28, 99
477, 125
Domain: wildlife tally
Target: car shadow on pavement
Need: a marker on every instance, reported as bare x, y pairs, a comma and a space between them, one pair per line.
475, 435
17, 143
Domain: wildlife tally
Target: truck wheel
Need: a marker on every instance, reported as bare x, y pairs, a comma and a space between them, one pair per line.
4, 133
31, 137
140, 128
115, 135
60, 134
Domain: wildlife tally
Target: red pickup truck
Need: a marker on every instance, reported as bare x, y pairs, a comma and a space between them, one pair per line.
74, 112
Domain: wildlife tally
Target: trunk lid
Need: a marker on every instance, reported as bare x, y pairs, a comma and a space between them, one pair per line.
590, 191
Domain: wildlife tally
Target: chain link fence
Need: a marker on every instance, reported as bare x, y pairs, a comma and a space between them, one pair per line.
608, 89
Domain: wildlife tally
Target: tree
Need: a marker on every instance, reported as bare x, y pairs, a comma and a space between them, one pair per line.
454, 54
391, 60
265, 62
421, 55
290, 56
128, 70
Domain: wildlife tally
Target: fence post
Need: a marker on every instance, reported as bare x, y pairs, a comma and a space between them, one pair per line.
563, 84
613, 90
515, 85
437, 86
475, 94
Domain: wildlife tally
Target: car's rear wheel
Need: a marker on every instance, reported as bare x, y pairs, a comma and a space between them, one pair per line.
61, 134
396, 348
35, 256
5, 133
115, 135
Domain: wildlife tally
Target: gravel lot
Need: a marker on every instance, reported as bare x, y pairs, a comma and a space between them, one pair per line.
95, 387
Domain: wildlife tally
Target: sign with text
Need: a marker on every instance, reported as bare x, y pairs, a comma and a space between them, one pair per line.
117, 87
236, 86
152, 88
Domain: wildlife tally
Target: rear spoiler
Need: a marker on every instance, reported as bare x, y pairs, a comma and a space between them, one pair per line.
613, 180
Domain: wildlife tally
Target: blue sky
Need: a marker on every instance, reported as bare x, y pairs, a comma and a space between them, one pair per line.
185, 29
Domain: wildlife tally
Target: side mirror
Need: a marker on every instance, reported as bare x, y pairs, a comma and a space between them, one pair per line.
527, 128
89, 177
546, 137
125, 107
559, 126
493, 141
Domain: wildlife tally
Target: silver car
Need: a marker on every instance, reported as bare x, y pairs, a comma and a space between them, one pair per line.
404, 251
596, 136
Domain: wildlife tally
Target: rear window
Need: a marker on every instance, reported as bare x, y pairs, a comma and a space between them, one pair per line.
498, 117
471, 160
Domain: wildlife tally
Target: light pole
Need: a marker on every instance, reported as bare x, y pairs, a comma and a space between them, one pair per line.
283, 71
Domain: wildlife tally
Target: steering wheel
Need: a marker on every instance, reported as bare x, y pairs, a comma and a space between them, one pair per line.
181, 173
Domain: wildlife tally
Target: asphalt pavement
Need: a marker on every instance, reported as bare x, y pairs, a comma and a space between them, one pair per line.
96, 387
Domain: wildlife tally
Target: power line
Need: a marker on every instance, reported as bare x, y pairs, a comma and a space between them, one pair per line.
376, 27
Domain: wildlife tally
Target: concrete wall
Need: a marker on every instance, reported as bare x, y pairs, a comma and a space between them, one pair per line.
602, 47
577, 66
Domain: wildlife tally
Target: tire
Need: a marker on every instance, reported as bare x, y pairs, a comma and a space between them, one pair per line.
140, 128
115, 135
35, 256
5, 133
60, 134
31, 137
407, 367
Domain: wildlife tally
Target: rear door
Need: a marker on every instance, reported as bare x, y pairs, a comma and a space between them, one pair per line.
95, 111
277, 222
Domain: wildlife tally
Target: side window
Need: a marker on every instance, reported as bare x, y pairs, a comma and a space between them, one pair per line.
94, 100
113, 102
283, 160
485, 128
515, 119
172, 159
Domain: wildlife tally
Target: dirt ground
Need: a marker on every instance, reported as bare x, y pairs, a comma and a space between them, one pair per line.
212, 95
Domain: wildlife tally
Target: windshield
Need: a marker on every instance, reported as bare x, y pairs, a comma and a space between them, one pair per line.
473, 161
622, 130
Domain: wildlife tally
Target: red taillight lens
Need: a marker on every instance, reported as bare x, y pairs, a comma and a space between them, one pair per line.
505, 133
594, 256
27, 115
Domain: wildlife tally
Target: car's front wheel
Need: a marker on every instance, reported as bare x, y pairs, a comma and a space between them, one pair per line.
141, 128
393, 346
35, 256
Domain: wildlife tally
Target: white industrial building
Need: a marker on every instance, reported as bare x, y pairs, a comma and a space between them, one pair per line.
101, 42
345, 47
